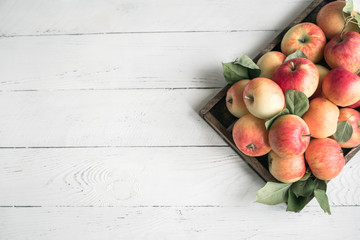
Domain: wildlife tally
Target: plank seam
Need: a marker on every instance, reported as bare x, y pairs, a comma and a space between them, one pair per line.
150, 32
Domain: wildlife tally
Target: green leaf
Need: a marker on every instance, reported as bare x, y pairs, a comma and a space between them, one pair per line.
303, 188
323, 200
297, 102
320, 184
234, 72
357, 18
295, 204
320, 195
349, 7
343, 132
297, 54
273, 193
253, 69
269, 122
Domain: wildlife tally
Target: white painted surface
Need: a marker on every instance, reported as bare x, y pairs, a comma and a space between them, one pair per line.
100, 136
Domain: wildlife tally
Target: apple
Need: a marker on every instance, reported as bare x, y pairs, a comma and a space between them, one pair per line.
344, 51
355, 105
297, 74
322, 73
321, 118
289, 136
307, 37
353, 117
325, 158
250, 136
263, 98
341, 87
269, 62
234, 99
287, 170
331, 19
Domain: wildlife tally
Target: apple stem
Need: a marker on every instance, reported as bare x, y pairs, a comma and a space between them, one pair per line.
357, 72
347, 20
249, 98
292, 66
307, 135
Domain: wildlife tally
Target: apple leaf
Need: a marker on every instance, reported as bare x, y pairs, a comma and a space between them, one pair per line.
357, 18
242, 68
295, 204
306, 175
273, 193
350, 8
234, 72
269, 122
297, 54
303, 188
297, 102
343, 132
320, 195
253, 69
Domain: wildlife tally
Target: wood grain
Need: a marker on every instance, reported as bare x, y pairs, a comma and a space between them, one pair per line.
122, 61
100, 136
156, 117
101, 17
142, 176
244, 222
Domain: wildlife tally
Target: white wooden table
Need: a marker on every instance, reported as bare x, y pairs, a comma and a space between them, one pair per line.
100, 136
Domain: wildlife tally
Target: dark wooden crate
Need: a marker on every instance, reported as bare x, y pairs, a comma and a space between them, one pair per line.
217, 115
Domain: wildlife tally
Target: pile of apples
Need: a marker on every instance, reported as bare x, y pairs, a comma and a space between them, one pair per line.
333, 90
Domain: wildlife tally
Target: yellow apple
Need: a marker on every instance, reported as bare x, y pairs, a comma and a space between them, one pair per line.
263, 98
269, 62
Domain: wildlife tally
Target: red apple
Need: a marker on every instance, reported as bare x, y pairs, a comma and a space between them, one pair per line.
269, 62
355, 105
321, 117
331, 19
287, 170
263, 98
341, 87
289, 136
344, 51
234, 99
250, 136
297, 74
322, 73
307, 37
325, 158
353, 117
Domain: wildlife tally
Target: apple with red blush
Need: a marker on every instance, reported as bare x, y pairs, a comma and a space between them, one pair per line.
251, 136
234, 99
298, 74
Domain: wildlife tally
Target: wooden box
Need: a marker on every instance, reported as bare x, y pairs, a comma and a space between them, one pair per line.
217, 115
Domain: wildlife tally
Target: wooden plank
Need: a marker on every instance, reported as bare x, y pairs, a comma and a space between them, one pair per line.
40, 17
126, 177
244, 222
181, 60
143, 176
152, 117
